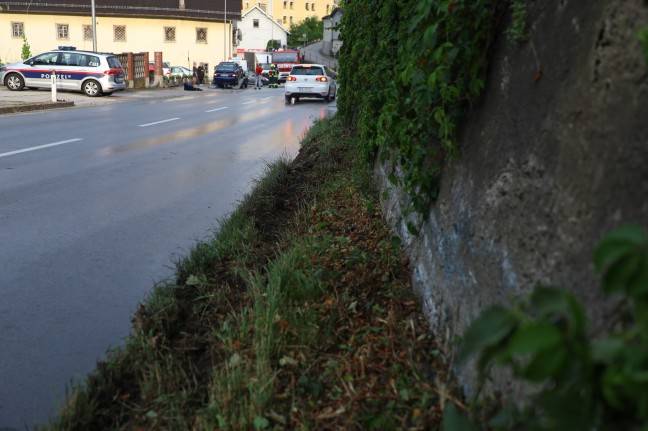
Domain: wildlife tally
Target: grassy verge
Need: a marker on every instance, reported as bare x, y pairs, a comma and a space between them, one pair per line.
297, 314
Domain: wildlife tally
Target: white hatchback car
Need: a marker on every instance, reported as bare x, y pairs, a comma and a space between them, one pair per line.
93, 73
309, 80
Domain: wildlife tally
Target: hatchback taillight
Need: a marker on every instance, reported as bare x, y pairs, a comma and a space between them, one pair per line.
113, 72
321, 79
291, 78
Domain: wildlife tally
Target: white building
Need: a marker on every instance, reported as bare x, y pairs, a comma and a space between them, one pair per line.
331, 39
256, 29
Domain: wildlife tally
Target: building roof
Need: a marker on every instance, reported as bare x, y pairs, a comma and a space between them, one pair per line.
337, 10
207, 10
256, 7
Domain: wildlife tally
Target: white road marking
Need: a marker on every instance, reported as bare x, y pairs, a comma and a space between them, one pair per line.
53, 144
247, 103
158, 122
218, 109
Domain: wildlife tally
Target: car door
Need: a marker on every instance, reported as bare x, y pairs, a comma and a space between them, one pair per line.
67, 71
40, 69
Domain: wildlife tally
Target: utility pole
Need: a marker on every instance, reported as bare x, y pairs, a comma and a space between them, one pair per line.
94, 27
225, 33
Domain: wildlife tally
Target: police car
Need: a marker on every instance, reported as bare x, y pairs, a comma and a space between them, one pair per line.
90, 72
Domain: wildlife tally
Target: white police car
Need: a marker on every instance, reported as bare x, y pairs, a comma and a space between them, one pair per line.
93, 73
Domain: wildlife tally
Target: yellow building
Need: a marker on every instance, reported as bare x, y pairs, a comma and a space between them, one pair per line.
289, 12
183, 30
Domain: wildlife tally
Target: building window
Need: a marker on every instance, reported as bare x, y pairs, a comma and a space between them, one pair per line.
119, 32
87, 32
169, 34
201, 35
285, 4
285, 20
306, 6
291, 5
17, 29
62, 31
262, 6
291, 20
327, 9
312, 6
255, 23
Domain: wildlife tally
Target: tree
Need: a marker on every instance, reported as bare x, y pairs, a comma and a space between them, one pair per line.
26, 49
273, 44
312, 27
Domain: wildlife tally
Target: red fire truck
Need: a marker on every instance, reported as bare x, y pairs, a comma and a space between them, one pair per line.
285, 60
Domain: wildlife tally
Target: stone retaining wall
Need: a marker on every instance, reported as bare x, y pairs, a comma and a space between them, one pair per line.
554, 156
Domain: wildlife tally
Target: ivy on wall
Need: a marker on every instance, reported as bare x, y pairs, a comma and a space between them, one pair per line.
408, 70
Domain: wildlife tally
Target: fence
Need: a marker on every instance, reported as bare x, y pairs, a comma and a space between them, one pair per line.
136, 67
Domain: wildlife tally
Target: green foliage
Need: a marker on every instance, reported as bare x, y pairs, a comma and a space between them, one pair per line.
642, 35
26, 49
408, 69
582, 383
517, 30
312, 27
273, 44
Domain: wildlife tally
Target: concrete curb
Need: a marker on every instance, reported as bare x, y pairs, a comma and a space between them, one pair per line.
36, 106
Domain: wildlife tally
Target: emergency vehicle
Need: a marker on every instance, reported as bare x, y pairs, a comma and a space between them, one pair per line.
92, 73
285, 60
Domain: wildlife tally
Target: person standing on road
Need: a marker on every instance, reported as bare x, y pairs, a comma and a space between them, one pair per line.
274, 76
259, 73
201, 73
195, 74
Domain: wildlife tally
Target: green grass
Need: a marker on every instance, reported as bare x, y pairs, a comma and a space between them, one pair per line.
297, 313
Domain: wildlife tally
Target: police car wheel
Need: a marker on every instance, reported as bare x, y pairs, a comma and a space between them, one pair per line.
92, 88
15, 82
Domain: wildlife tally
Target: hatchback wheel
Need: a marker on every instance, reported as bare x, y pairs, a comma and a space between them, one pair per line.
92, 88
15, 82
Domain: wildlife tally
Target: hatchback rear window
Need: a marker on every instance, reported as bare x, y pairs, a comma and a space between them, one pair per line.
114, 63
307, 71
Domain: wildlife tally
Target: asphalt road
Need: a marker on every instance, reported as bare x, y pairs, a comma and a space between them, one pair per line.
96, 204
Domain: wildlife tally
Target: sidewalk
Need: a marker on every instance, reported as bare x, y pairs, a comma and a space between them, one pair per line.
35, 100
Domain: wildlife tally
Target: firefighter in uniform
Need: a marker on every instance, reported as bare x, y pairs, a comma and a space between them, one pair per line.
273, 74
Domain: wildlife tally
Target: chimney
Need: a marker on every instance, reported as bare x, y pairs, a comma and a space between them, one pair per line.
181, 6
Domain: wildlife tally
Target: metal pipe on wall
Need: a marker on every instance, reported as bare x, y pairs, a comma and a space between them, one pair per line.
94, 27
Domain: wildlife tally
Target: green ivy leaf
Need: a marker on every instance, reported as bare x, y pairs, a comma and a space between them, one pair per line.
606, 350
488, 329
619, 276
616, 244
546, 364
638, 286
455, 421
548, 302
535, 338
503, 418
612, 384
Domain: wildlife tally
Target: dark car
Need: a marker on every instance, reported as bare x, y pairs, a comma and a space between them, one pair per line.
228, 73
